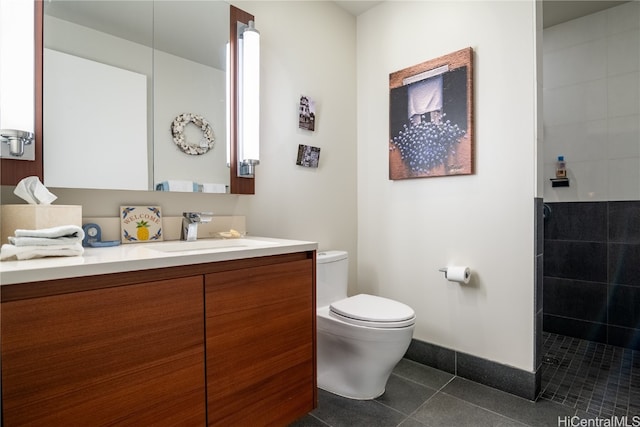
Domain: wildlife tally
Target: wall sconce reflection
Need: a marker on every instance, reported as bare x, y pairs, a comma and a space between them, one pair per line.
17, 140
249, 95
228, 101
17, 77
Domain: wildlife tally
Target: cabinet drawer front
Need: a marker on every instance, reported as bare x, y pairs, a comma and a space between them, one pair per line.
131, 355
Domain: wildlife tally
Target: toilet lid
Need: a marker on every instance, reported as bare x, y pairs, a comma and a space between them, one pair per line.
370, 310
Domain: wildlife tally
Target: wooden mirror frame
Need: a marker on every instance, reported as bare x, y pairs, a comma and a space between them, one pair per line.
238, 185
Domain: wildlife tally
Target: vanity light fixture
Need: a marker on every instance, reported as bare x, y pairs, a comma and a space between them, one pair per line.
249, 95
17, 77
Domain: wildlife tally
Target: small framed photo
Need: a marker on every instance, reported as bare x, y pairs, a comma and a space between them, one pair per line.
307, 114
308, 156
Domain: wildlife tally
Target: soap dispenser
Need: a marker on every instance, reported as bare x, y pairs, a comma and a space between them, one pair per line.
561, 168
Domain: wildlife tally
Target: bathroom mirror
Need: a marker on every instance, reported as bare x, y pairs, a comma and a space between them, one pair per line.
117, 75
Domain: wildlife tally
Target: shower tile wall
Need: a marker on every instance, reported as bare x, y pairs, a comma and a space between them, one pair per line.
539, 276
592, 271
591, 105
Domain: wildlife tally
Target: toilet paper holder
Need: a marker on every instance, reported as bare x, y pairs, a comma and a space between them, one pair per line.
457, 277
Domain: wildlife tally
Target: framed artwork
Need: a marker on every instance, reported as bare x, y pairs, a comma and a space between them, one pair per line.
308, 156
139, 224
431, 118
307, 113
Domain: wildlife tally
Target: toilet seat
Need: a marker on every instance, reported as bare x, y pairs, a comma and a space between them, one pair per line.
373, 311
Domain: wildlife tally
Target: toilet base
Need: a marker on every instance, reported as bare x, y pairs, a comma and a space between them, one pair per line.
355, 362
353, 376
339, 388
352, 397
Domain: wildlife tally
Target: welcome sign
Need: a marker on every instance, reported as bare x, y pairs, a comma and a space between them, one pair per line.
140, 224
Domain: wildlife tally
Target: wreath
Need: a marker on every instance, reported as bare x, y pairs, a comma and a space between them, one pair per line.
177, 130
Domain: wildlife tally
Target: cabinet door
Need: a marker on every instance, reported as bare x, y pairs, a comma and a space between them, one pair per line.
131, 355
260, 325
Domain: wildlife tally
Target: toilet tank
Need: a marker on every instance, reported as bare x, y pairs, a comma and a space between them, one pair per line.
332, 273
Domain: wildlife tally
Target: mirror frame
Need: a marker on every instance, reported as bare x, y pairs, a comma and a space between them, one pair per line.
12, 171
238, 185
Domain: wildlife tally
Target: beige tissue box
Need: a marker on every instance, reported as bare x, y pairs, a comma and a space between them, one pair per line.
33, 217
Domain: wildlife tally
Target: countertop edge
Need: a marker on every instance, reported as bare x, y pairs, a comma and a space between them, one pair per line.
134, 257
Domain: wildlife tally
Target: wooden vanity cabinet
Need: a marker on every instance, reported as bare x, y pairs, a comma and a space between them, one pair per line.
129, 348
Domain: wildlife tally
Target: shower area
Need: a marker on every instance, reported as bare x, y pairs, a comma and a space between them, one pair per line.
591, 255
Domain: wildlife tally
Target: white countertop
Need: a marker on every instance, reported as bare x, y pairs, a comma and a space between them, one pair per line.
140, 256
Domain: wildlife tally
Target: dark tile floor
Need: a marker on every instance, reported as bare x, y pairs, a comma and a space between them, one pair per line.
599, 379
418, 396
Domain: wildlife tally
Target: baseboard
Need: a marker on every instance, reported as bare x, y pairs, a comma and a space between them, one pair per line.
512, 380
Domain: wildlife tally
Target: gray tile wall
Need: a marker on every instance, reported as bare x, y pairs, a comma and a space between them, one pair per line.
592, 271
538, 278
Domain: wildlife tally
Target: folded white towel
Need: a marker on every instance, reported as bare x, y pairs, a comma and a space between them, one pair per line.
178, 185
43, 241
214, 188
8, 251
53, 232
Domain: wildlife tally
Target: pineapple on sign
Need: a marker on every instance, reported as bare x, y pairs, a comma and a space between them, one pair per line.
143, 230
140, 224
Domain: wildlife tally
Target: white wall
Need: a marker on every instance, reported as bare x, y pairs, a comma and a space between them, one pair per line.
408, 229
592, 105
307, 48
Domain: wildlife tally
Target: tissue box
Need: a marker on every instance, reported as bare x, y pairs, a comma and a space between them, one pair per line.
33, 217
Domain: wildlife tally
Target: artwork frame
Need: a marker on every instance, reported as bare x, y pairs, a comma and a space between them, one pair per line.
307, 113
308, 156
431, 118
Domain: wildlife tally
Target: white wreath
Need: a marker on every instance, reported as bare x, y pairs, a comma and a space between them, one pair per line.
177, 130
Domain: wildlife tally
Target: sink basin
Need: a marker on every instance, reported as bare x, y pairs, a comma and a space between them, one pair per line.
209, 245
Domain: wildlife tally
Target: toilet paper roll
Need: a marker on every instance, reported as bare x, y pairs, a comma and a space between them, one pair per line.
460, 274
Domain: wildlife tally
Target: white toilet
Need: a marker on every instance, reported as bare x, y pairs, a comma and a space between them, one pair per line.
360, 338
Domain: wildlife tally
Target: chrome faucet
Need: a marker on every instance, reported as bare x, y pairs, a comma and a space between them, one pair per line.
190, 221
